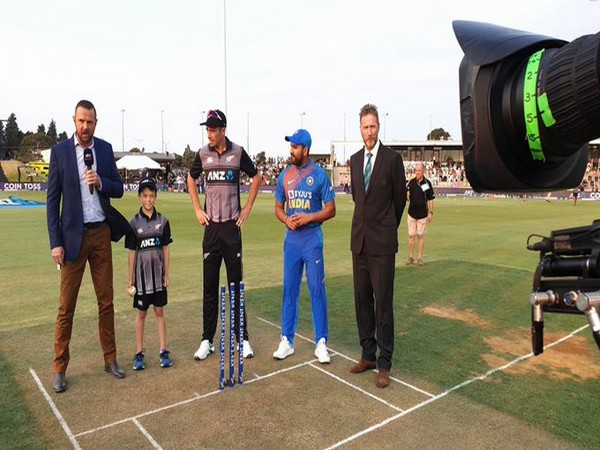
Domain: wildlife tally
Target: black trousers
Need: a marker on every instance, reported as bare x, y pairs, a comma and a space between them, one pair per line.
374, 304
222, 241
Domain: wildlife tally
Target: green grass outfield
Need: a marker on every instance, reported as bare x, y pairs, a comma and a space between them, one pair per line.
462, 314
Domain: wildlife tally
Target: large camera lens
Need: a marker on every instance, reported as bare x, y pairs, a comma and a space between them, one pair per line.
527, 117
570, 76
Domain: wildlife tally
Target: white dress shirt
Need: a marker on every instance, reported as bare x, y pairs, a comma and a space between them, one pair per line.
92, 210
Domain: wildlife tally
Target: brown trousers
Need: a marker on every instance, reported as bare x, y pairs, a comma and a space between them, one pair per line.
95, 249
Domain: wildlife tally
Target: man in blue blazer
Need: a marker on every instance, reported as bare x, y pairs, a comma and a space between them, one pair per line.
82, 178
379, 194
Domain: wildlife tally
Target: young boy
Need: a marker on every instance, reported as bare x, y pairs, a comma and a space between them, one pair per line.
148, 246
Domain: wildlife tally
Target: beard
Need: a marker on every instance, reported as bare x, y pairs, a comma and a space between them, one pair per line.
85, 138
370, 143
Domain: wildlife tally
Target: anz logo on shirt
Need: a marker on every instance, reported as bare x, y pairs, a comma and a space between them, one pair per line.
227, 176
150, 242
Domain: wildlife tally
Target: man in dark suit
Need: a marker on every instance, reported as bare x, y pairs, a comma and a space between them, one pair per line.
83, 176
379, 194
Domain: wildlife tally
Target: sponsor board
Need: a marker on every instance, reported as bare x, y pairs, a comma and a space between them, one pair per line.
18, 202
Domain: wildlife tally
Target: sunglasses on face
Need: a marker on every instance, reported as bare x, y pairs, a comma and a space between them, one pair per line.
214, 115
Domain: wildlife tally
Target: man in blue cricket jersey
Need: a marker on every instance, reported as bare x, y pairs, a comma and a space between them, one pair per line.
310, 200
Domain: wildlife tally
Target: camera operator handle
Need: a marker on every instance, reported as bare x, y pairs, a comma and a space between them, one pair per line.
594, 321
537, 300
537, 330
589, 304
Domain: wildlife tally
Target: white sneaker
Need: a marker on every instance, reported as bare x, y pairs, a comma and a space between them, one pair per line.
284, 350
205, 349
321, 352
248, 352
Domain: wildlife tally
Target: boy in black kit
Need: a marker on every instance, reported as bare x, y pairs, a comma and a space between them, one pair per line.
148, 246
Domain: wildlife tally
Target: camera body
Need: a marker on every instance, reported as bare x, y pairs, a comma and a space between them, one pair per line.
567, 279
529, 105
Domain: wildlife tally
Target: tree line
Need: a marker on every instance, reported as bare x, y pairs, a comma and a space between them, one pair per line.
16, 144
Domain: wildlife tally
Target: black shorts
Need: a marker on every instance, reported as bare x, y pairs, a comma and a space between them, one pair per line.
143, 301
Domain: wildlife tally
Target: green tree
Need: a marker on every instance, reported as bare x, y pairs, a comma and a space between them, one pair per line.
178, 161
63, 136
135, 150
188, 157
41, 128
52, 132
261, 158
438, 134
30, 144
2, 139
13, 135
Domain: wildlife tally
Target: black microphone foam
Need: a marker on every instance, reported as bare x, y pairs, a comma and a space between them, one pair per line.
545, 245
88, 160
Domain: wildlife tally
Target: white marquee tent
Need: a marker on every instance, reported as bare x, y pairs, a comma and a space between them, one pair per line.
137, 162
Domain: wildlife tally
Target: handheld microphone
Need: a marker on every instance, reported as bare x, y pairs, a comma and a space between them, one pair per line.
88, 160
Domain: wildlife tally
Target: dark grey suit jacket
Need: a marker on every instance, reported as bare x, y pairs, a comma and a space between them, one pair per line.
377, 213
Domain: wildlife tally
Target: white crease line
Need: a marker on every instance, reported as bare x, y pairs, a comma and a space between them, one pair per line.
384, 423
404, 383
55, 410
362, 391
183, 402
261, 377
148, 413
148, 435
272, 374
452, 389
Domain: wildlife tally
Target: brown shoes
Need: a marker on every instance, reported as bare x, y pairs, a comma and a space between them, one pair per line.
60, 382
383, 379
383, 376
115, 370
362, 366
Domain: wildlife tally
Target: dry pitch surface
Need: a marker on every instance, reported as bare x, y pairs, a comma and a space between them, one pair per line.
295, 403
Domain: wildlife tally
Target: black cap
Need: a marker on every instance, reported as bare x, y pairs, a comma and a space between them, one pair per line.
147, 183
215, 119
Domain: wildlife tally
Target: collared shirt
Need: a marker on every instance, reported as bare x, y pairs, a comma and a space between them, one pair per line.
150, 236
419, 194
222, 179
374, 153
305, 189
92, 210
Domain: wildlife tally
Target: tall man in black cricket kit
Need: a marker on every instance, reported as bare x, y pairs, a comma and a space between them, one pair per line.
379, 194
222, 162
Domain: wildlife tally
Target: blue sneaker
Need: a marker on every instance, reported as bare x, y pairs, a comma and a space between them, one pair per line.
165, 360
139, 362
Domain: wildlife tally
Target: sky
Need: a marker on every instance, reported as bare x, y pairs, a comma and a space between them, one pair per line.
152, 68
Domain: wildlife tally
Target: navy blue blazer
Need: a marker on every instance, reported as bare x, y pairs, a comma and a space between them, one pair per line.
65, 228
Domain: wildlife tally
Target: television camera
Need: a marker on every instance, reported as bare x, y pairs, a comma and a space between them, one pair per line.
529, 106
567, 279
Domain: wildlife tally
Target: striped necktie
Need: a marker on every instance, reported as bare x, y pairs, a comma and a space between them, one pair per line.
368, 171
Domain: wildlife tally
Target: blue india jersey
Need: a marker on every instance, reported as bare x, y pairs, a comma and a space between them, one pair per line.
304, 189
